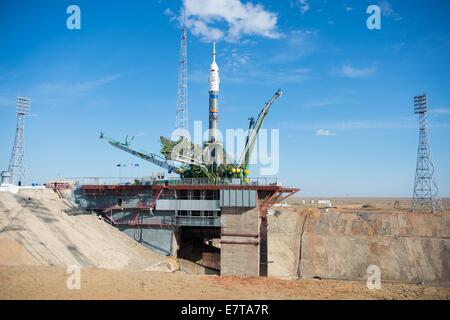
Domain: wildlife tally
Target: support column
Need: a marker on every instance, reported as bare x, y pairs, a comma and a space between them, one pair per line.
263, 253
239, 244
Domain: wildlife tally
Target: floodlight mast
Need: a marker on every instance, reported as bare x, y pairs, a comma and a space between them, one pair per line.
426, 191
17, 161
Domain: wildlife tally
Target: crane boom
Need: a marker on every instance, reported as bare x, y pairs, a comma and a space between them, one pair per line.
250, 127
254, 128
151, 157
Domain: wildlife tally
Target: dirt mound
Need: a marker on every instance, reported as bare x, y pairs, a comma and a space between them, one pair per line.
39, 228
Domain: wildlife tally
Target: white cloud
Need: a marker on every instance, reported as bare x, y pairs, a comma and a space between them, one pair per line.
324, 102
79, 88
304, 6
398, 46
290, 75
256, 74
229, 20
349, 71
387, 11
396, 123
169, 13
356, 125
235, 59
441, 111
296, 45
201, 29
324, 133
263, 75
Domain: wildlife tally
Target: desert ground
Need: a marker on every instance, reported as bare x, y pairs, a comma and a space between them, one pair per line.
41, 234
39, 282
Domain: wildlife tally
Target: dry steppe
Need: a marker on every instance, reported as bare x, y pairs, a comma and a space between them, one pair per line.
41, 234
34, 282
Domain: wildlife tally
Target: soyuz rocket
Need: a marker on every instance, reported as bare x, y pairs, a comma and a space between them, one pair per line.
214, 82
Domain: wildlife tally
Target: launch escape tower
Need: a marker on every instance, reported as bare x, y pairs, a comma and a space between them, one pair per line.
426, 191
17, 162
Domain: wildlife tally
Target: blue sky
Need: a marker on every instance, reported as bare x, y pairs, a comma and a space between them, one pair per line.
346, 121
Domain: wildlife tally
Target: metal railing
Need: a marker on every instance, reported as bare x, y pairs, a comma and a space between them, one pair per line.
260, 181
113, 180
222, 181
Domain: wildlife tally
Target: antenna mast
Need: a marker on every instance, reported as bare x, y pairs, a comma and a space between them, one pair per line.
182, 99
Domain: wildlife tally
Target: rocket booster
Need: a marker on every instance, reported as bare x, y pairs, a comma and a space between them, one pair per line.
214, 82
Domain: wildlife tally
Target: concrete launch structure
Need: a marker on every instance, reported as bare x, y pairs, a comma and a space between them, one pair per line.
220, 224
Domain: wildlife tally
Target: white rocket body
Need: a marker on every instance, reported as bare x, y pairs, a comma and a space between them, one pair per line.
214, 83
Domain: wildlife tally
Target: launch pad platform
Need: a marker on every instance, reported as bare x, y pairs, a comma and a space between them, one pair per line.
221, 225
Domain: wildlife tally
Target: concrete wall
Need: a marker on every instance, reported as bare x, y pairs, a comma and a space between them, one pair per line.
284, 244
408, 247
240, 259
